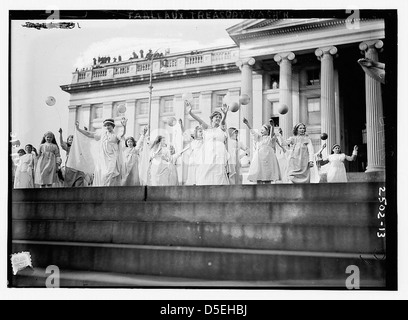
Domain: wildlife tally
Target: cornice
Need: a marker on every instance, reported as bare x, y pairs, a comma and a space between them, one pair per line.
144, 80
313, 25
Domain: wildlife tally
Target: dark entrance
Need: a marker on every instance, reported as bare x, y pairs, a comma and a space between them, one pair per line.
352, 106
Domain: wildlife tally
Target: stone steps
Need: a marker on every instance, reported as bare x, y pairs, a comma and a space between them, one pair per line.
36, 278
359, 192
202, 263
204, 234
304, 213
277, 234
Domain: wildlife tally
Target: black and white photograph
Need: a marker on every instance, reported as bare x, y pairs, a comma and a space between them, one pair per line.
215, 149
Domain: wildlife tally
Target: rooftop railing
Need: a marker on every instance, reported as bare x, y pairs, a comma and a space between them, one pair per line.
171, 62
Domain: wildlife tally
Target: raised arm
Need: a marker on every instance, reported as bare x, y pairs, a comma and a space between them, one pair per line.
124, 123
84, 132
195, 117
224, 110
181, 125
354, 155
320, 157
272, 123
63, 144
139, 144
245, 121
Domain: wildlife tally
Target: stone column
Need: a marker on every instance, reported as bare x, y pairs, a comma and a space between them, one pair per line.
205, 105
178, 140
107, 110
266, 105
72, 118
155, 118
131, 116
258, 101
86, 115
233, 119
284, 61
303, 112
246, 88
327, 97
295, 98
374, 112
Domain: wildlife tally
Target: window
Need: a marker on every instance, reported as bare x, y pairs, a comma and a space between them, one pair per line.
143, 108
168, 106
196, 103
313, 77
218, 99
313, 109
97, 111
274, 82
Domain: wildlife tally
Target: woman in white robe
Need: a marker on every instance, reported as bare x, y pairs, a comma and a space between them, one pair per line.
109, 159
24, 178
130, 174
215, 167
160, 170
234, 150
195, 154
336, 172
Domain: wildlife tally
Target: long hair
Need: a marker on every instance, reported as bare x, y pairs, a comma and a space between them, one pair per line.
132, 139
156, 142
53, 138
296, 128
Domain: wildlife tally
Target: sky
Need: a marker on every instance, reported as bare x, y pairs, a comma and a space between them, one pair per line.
42, 60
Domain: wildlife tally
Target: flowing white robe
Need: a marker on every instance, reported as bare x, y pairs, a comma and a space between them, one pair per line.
24, 178
214, 169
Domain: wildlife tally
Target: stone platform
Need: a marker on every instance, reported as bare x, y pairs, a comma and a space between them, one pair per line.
267, 235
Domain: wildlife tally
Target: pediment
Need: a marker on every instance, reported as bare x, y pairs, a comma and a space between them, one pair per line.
257, 25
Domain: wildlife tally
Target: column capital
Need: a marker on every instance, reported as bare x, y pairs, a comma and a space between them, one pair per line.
370, 44
130, 101
246, 61
72, 107
289, 56
204, 93
325, 51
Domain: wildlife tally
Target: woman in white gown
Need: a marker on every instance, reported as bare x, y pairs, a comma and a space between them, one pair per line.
214, 169
130, 174
109, 159
337, 171
161, 168
195, 153
234, 148
25, 171
264, 165
301, 158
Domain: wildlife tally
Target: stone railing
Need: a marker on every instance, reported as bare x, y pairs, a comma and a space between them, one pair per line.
171, 62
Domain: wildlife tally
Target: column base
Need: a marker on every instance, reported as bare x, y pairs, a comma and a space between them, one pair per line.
375, 169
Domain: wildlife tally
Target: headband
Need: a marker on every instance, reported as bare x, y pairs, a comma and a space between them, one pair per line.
109, 121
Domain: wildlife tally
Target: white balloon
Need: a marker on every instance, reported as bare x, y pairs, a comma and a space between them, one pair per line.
172, 121
122, 108
50, 101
